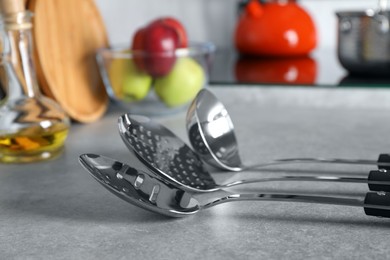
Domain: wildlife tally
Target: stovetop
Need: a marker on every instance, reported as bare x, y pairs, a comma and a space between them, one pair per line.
320, 69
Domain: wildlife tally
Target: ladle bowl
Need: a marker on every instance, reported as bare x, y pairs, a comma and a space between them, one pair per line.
211, 133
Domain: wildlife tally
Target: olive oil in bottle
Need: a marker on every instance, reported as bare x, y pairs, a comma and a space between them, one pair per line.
29, 146
32, 126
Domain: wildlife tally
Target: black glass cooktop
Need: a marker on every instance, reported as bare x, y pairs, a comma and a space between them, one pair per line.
320, 69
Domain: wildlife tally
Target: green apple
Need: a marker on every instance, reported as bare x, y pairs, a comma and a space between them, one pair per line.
181, 84
127, 81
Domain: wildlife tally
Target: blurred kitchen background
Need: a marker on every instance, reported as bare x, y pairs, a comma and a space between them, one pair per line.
215, 20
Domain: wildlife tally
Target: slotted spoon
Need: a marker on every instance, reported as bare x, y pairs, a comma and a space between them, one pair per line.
167, 155
148, 191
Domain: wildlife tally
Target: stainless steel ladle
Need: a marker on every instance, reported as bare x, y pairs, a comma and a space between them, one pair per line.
148, 191
211, 134
166, 154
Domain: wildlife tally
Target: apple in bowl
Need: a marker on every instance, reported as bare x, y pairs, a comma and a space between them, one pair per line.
182, 84
160, 72
159, 40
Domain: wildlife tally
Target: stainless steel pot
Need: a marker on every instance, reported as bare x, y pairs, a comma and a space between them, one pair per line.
364, 42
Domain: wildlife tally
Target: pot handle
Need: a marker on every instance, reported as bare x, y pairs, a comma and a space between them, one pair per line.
345, 25
383, 23
382, 6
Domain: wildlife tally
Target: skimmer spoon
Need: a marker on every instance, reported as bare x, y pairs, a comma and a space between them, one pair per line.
211, 134
166, 154
148, 191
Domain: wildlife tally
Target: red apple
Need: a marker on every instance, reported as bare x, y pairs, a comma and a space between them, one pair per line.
137, 45
179, 28
138, 37
160, 42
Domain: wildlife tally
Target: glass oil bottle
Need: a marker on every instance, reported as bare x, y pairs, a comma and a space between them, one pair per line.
32, 126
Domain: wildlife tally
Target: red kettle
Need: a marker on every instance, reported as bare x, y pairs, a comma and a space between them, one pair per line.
275, 28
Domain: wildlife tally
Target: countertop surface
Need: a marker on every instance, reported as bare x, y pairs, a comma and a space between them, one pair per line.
55, 210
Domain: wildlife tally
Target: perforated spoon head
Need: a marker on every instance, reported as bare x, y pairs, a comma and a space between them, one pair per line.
139, 188
211, 132
165, 153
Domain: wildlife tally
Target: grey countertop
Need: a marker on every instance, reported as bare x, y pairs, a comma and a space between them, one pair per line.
55, 210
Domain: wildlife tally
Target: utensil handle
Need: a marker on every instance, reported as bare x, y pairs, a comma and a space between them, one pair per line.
383, 161
377, 204
378, 180
316, 199
309, 178
374, 203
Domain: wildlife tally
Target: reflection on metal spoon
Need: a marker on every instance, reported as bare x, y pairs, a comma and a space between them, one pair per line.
145, 190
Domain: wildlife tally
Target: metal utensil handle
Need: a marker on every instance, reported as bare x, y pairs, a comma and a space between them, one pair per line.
383, 161
378, 180
304, 178
374, 203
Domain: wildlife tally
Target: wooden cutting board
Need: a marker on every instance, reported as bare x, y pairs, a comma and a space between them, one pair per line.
66, 35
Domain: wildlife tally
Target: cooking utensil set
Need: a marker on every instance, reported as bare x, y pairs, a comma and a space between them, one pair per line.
176, 182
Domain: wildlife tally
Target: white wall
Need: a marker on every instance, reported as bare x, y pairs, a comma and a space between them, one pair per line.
204, 19
211, 20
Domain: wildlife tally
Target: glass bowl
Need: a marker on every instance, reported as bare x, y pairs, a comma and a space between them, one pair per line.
156, 84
